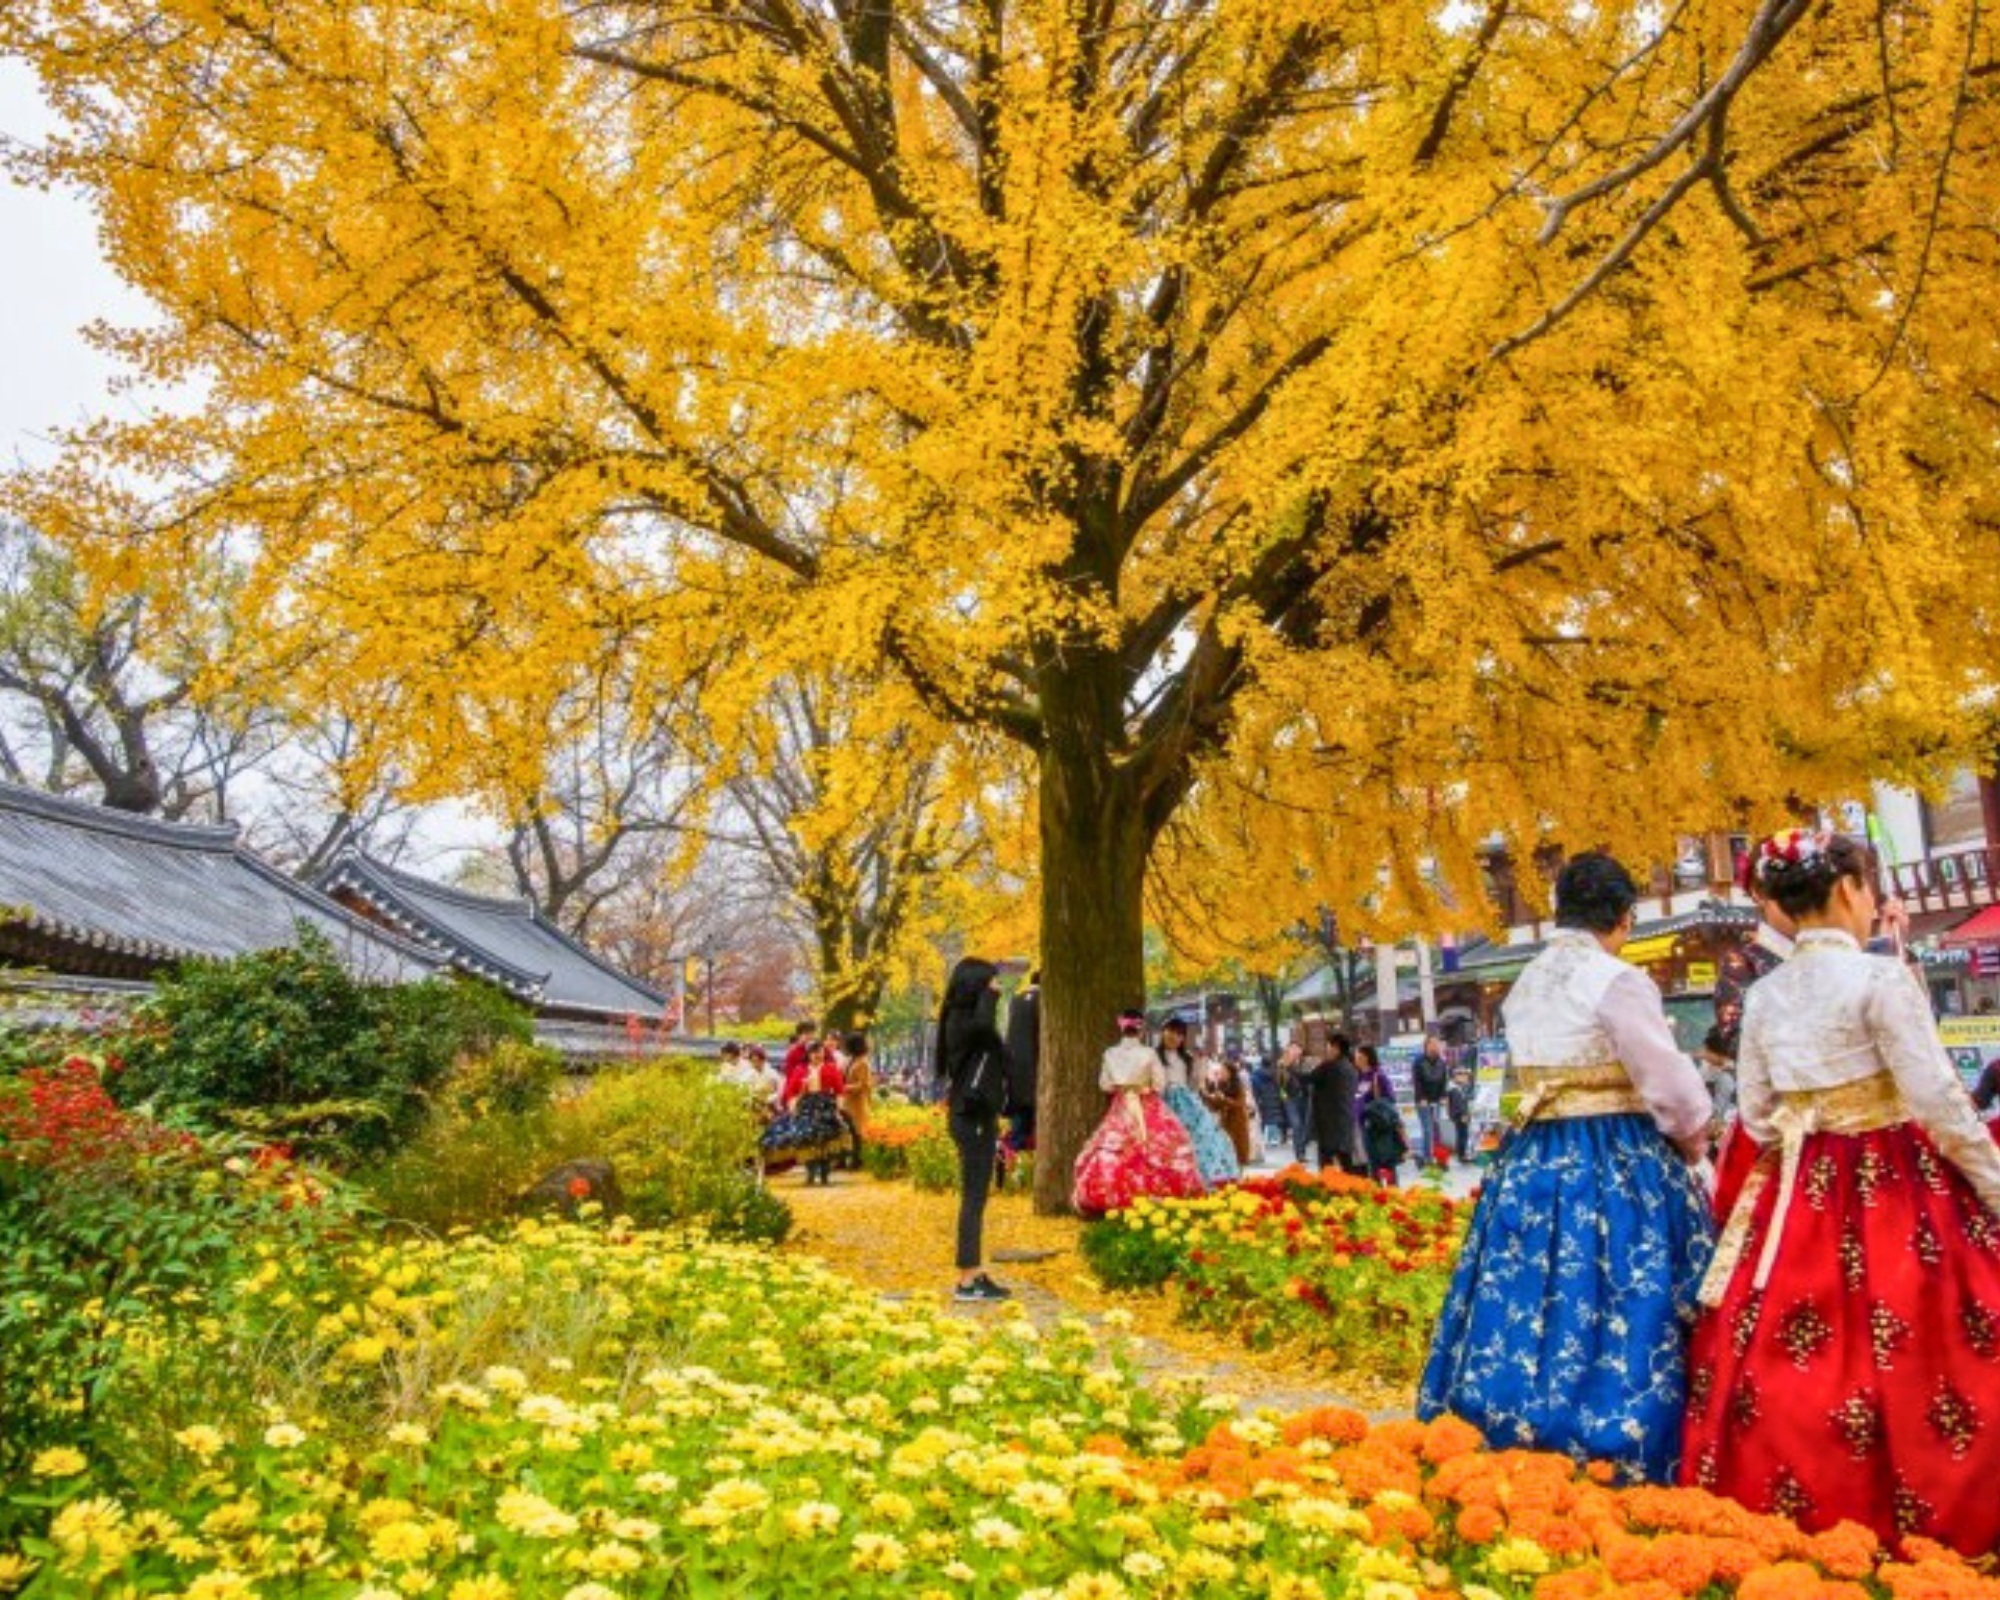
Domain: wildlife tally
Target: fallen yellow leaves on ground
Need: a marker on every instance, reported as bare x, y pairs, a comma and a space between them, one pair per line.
898, 1239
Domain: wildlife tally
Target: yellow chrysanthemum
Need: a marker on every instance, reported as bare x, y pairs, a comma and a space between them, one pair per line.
93, 1526
59, 1462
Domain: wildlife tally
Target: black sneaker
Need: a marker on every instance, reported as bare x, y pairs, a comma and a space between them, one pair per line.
981, 1291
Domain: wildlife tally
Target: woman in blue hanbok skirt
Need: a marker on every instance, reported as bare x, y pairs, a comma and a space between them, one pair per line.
1567, 1321
1214, 1154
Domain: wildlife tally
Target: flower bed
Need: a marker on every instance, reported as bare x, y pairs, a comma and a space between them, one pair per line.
913, 1142
1335, 1263
892, 1131
566, 1413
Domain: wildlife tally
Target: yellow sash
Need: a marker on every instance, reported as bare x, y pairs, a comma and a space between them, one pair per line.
1553, 1094
1858, 1107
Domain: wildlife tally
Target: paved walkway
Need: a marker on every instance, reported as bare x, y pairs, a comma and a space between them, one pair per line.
899, 1241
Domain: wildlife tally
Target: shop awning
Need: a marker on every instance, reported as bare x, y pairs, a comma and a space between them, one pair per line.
1654, 947
1493, 972
1982, 927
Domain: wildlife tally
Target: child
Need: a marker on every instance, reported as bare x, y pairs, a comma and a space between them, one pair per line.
1458, 1106
1383, 1138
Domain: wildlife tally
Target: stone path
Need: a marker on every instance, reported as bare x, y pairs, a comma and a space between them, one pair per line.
898, 1241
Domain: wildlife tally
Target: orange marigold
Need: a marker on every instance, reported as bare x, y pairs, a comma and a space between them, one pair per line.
1335, 1424
1367, 1469
1405, 1433
1448, 1438
1468, 1481
1411, 1522
1555, 1533
1648, 1589
1783, 1580
1574, 1583
1480, 1524
1941, 1576
1847, 1550
1736, 1559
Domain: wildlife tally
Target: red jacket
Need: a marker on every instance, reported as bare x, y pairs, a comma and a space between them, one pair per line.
800, 1080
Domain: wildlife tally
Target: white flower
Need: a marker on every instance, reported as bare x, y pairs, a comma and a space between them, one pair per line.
996, 1533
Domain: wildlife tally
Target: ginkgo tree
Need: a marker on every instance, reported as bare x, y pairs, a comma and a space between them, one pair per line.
1316, 433
872, 831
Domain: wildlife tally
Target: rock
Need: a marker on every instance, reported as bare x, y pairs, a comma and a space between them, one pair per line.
571, 1185
1017, 1257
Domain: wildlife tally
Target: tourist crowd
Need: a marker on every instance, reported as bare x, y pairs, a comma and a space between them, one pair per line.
1809, 1324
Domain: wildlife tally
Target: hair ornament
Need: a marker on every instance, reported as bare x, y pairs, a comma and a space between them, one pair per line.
1795, 847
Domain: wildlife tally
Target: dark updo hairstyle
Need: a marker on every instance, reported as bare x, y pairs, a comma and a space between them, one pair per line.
1593, 891
1797, 870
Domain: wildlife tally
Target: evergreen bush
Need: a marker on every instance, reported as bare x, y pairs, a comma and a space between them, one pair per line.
286, 1044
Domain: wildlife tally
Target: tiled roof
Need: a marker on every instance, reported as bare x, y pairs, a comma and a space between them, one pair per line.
83, 884
506, 942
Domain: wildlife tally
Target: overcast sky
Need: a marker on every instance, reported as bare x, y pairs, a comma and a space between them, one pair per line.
53, 281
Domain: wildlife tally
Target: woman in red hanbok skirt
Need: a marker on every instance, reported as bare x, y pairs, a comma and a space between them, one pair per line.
1848, 1364
1140, 1148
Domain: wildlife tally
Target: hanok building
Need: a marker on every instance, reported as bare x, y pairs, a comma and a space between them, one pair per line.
98, 900
583, 1005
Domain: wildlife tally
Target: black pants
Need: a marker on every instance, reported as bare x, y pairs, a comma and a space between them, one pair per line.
977, 1135
1462, 1136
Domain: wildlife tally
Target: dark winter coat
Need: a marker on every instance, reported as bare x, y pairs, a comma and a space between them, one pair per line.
1333, 1086
971, 1058
1430, 1077
1264, 1085
1024, 1048
1382, 1135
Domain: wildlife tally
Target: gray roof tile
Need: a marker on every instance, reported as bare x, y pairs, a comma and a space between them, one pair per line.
504, 941
154, 891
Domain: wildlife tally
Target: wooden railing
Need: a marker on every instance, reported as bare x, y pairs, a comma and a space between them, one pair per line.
1963, 880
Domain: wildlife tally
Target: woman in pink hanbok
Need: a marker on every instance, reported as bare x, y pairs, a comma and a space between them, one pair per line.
1139, 1148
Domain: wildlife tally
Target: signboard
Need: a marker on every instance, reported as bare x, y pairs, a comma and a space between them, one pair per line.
1971, 1042
1701, 975
1489, 1075
1399, 1061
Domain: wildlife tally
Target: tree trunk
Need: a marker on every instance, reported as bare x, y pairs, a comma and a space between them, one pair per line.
1093, 848
851, 1010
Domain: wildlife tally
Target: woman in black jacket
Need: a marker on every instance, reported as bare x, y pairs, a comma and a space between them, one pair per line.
972, 1060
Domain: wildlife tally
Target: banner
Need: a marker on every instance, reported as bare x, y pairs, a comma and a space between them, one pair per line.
1971, 1042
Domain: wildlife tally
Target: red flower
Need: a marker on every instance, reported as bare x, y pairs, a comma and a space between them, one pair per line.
578, 1188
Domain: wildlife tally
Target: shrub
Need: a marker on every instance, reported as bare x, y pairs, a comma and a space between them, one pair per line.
765, 1030
927, 1155
512, 1077
1129, 1258
933, 1161
892, 1129
109, 1219
285, 1044
682, 1143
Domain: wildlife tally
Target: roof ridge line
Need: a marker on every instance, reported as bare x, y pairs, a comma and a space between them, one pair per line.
516, 905
211, 836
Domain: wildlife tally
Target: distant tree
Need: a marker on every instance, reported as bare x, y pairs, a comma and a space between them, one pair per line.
101, 691
865, 827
